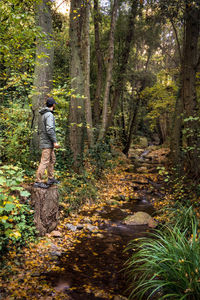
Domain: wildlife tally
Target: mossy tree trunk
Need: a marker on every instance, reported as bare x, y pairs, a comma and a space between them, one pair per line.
77, 103
186, 120
109, 71
43, 66
99, 57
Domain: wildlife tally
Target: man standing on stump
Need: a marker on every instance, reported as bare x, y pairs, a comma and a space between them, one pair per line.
47, 143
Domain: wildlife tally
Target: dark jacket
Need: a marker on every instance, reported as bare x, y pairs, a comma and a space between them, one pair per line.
47, 129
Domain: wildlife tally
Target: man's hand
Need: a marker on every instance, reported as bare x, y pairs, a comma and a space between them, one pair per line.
55, 145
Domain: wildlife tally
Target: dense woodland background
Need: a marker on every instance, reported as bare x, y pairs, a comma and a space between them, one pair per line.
119, 70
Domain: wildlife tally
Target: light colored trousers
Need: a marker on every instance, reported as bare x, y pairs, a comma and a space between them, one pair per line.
47, 162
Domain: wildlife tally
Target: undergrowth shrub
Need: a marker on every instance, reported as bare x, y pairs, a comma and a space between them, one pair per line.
76, 190
100, 156
15, 134
166, 264
16, 218
179, 215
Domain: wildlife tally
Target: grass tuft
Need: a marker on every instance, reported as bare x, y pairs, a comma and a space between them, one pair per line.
165, 265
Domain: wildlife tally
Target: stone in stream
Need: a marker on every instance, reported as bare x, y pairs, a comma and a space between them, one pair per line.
100, 235
92, 228
56, 253
143, 142
119, 297
56, 234
71, 227
142, 170
79, 226
87, 220
140, 218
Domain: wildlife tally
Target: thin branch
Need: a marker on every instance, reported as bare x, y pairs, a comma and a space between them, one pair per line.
64, 1
162, 48
177, 39
198, 63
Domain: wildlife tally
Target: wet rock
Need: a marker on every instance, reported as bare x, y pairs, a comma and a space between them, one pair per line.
109, 249
55, 248
106, 222
71, 227
139, 218
142, 170
119, 297
56, 233
152, 223
87, 220
79, 226
62, 286
100, 235
143, 142
56, 253
92, 228
136, 151
99, 294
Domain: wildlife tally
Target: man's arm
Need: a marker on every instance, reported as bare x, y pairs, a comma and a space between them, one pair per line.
50, 128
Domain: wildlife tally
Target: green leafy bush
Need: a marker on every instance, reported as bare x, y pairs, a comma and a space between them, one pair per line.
15, 134
100, 156
76, 189
165, 265
16, 219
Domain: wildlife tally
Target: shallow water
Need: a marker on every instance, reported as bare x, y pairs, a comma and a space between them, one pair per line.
94, 269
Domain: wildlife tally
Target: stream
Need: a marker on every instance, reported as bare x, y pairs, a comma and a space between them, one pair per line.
94, 268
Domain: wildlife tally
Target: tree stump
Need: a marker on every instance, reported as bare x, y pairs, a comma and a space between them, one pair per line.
45, 202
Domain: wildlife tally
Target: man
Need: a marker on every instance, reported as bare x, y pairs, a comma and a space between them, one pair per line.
47, 143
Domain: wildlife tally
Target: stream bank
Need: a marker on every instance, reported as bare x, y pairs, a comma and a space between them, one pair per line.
84, 259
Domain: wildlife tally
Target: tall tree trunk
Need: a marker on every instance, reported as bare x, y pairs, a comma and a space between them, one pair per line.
86, 71
76, 115
162, 124
133, 127
186, 104
43, 66
119, 86
97, 108
175, 142
123, 124
109, 70
190, 60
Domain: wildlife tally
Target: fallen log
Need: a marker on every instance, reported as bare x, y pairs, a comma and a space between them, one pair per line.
46, 204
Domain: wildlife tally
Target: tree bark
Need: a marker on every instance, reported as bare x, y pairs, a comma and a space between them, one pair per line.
97, 107
43, 73
190, 59
109, 70
119, 85
86, 72
176, 140
133, 127
46, 204
163, 125
186, 105
76, 115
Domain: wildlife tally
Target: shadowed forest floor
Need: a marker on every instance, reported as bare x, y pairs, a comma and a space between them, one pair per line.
84, 258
